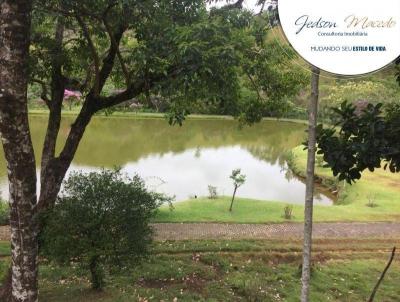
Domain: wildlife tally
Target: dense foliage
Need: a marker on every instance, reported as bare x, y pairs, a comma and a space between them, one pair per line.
100, 220
188, 58
368, 136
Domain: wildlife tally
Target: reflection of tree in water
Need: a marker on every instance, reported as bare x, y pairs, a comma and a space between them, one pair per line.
289, 175
117, 141
197, 152
269, 153
273, 155
276, 155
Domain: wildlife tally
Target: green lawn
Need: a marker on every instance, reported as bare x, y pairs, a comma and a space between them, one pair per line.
382, 187
129, 114
344, 270
151, 115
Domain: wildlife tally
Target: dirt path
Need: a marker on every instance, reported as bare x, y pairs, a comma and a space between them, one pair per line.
178, 231
184, 231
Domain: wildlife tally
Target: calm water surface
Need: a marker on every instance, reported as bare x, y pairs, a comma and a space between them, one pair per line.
183, 161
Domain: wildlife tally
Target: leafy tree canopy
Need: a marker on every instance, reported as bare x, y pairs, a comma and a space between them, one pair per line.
368, 135
114, 51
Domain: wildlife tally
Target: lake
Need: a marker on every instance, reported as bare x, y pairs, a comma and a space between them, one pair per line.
183, 161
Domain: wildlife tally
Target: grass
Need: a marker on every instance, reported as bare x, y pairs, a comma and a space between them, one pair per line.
216, 210
4, 248
353, 205
379, 187
151, 115
129, 114
250, 270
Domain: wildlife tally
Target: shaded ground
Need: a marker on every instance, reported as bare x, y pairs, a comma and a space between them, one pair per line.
194, 231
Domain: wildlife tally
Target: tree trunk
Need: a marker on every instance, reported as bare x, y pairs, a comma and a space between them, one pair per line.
57, 167
233, 198
14, 128
308, 210
97, 278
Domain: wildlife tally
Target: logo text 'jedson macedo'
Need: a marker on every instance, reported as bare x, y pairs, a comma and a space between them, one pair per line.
351, 21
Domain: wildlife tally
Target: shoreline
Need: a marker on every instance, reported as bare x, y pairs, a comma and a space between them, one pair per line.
145, 115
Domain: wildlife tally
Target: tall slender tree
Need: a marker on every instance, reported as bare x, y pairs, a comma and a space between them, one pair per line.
15, 20
309, 200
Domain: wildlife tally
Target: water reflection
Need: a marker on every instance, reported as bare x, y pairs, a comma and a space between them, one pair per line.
189, 173
183, 161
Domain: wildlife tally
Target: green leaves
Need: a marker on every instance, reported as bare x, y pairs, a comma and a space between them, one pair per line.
366, 137
100, 217
217, 61
238, 178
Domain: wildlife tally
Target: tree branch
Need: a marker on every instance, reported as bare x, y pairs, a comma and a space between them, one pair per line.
237, 4
57, 167
262, 3
57, 95
116, 46
132, 91
136, 88
108, 61
95, 55
44, 95
254, 84
88, 79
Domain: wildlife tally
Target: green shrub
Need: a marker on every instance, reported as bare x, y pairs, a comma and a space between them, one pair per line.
4, 213
101, 221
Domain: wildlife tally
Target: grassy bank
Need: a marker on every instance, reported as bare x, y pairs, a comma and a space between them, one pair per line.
374, 198
130, 114
257, 211
150, 115
376, 195
234, 271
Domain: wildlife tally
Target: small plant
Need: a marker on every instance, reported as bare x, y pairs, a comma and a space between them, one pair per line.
371, 201
100, 221
288, 212
238, 180
212, 192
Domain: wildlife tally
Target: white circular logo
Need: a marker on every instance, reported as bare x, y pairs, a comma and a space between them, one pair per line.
346, 37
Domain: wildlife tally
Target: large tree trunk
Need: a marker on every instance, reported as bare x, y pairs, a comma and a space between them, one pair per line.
308, 210
14, 128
